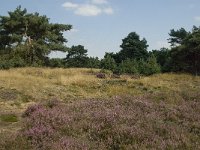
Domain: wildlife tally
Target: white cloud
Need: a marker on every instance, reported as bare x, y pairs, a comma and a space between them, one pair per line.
197, 18
161, 44
108, 11
88, 10
70, 5
91, 8
99, 1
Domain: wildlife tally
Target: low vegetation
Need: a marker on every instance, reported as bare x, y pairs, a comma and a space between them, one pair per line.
45, 108
8, 118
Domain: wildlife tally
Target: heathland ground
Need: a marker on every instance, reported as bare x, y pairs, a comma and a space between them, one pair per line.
135, 112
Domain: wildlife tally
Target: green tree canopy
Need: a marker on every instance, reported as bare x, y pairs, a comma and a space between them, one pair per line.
186, 56
31, 35
77, 52
133, 47
163, 58
108, 63
177, 37
77, 56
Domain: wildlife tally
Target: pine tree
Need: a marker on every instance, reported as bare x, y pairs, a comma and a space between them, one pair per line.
30, 36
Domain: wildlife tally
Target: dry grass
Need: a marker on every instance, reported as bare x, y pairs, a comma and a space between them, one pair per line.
21, 87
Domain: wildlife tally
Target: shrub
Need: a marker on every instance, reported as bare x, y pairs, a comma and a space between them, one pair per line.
40, 135
69, 144
117, 123
4, 64
152, 66
42, 124
17, 62
149, 67
52, 103
108, 63
7, 62
56, 62
105, 71
129, 66
101, 75
31, 109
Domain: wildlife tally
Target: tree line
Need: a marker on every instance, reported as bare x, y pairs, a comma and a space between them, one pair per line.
26, 39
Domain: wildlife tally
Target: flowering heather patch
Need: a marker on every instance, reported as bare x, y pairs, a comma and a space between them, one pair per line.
101, 75
69, 144
32, 109
117, 123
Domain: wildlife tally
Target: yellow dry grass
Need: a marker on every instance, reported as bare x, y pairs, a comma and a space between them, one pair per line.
24, 86
44, 83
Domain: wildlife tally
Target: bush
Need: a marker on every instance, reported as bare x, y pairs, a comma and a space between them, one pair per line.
141, 66
56, 62
17, 62
5, 64
108, 63
101, 75
93, 62
129, 66
117, 123
150, 67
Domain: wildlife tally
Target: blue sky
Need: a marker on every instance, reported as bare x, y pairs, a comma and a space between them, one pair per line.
100, 25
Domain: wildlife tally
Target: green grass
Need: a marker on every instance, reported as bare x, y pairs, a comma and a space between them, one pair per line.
8, 118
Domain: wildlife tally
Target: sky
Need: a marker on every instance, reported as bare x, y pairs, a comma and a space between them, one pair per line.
100, 25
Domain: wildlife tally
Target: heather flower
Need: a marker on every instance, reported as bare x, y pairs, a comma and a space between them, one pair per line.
117, 123
101, 75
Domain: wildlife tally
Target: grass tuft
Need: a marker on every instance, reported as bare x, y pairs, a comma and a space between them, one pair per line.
9, 118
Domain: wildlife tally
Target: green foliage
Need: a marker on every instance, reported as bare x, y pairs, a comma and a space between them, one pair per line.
132, 59
129, 66
151, 66
30, 36
163, 58
26, 39
93, 62
141, 66
105, 71
17, 62
133, 47
4, 64
108, 63
186, 56
7, 62
77, 52
56, 62
76, 57
177, 37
